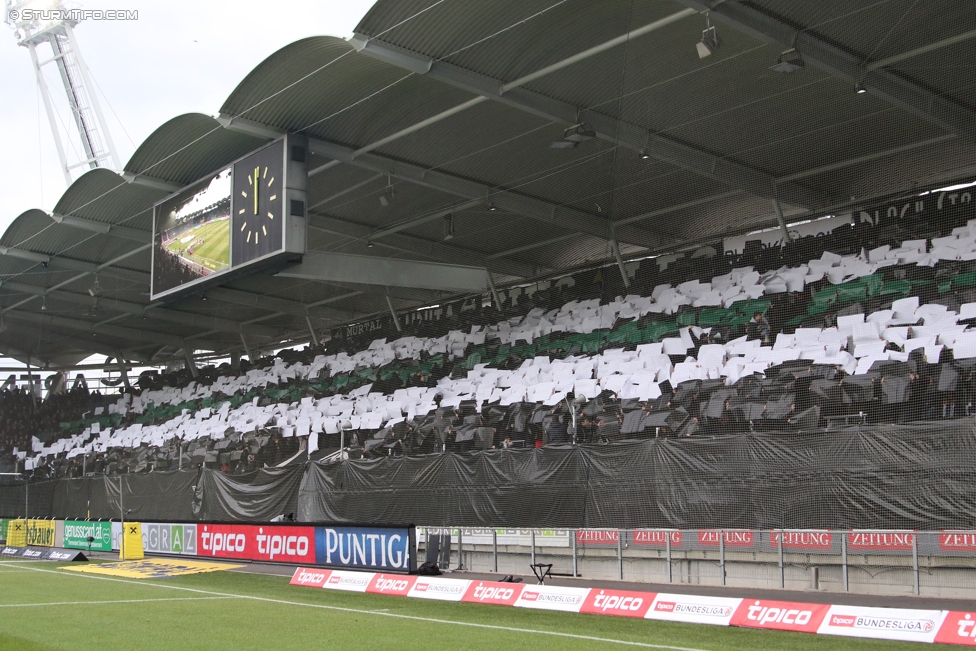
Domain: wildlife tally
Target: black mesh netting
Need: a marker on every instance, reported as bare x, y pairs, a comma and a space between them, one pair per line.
894, 477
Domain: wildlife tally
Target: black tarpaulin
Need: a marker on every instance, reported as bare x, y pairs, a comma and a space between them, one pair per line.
255, 496
145, 496
920, 476
917, 477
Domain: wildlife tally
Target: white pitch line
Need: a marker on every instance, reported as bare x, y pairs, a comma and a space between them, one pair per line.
115, 601
532, 631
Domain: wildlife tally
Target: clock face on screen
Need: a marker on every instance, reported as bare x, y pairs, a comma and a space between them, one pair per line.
258, 204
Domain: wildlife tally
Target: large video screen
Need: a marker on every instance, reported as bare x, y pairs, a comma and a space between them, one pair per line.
246, 216
191, 234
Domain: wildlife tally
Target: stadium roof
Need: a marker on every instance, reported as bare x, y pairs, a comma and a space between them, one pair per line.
456, 105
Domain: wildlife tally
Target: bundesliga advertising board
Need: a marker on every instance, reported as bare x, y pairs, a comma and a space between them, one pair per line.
376, 548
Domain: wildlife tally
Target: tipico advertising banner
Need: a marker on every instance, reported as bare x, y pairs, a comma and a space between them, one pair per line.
77, 532
387, 549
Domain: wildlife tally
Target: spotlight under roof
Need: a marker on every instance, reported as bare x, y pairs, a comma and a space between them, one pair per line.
789, 62
709, 42
574, 135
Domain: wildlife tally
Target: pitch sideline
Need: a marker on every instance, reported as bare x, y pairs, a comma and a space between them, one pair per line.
531, 631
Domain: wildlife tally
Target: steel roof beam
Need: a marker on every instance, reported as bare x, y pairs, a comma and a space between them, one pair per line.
532, 207
607, 128
23, 356
150, 182
220, 293
92, 226
387, 272
72, 264
528, 206
931, 47
163, 314
845, 65
278, 306
120, 332
420, 246
86, 268
88, 346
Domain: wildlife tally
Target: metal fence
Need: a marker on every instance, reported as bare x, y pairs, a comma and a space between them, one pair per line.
930, 563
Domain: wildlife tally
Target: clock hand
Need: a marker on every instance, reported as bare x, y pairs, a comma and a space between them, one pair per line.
256, 170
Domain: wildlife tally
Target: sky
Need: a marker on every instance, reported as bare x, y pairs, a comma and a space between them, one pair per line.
179, 56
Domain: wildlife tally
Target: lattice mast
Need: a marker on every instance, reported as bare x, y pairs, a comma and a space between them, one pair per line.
51, 25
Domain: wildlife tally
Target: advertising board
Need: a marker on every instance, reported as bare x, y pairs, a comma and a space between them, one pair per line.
387, 549
884, 623
693, 608
163, 538
41, 532
77, 533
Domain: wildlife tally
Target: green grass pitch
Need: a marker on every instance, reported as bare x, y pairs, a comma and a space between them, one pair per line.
214, 253
43, 607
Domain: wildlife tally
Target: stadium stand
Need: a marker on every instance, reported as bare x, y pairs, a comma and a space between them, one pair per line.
868, 324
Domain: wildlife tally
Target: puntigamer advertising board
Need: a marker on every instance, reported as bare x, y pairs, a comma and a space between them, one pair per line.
375, 548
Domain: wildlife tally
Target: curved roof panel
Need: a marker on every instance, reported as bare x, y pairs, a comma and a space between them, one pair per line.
103, 196
187, 147
25, 227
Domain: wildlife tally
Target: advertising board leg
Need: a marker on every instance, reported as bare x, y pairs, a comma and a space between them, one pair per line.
575, 560
620, 555
915, 563
667, 553
782, 573
843, 560
721, 555
460, 563
494, 549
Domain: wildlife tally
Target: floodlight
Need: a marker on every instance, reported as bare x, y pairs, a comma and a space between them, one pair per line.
574, 135
860, 89
448, 227
43, 303
492, 207
388, 195
579, 133
789, 62
709, 42
644, 155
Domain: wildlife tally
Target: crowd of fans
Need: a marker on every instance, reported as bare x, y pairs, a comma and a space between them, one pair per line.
797, 395
24, 415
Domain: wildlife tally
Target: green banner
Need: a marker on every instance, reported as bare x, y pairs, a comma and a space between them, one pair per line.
77, 532
3, 530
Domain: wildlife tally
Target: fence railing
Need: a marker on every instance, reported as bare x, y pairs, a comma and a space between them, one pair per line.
933, 563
